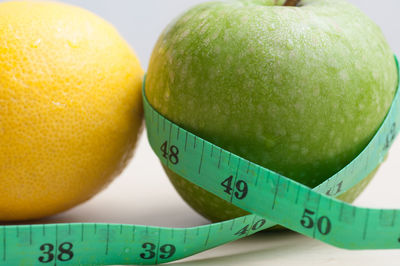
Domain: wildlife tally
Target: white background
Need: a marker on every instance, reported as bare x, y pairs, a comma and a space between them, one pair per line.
143, 194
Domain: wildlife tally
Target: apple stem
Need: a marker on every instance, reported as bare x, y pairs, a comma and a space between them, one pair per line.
291, 2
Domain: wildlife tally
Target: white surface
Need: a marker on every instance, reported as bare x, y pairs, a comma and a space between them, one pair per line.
143, 194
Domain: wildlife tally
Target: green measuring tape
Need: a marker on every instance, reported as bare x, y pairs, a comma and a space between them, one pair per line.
272, 198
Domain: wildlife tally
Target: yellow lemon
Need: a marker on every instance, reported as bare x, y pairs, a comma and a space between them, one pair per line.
70, 107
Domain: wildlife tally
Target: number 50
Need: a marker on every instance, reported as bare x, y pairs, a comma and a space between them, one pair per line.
307, 221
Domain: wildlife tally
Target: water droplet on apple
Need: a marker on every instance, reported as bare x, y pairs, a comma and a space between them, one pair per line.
185, 34
277, 77
244, 19
299, 107
344, 75
215, 35
171, 76
271, 26
289, 44
240, 70
186, 18
270, 143
316, 92
338, 142
294, 147
304, 151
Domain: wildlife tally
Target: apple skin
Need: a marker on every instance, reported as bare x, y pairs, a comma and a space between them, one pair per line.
298, 90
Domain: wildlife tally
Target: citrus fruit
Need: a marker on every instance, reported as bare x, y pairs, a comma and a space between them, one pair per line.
70, 107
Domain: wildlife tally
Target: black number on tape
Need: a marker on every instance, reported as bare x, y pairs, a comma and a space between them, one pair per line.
338, 189
323, 223
391, 136
307, 221
167, 251
257, 225
65, 249
242, 231
320, 225
149, 251
170, 154
241, 187
65, 252
47, 250
227, 184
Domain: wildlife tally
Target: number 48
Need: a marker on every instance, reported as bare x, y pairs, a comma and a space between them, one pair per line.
170, 154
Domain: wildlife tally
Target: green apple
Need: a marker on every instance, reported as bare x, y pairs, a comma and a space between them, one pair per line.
300, 90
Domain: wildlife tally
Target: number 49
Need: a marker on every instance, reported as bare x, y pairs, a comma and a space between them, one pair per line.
240, 185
